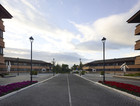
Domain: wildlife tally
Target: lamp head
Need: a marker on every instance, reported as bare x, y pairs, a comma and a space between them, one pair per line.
103, 39
31, 39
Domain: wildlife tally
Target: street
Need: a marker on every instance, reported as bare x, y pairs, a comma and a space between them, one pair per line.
68, 90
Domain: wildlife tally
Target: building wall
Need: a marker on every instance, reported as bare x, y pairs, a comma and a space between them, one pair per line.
137, 30
1, 42
136, 19
112, 66
4, 14
24, 65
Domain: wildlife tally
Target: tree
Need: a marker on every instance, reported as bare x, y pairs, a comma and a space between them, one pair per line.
58, 68
65, 68
80, 65
74, 67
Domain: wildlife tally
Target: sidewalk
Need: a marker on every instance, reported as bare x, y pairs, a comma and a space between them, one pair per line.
23, 77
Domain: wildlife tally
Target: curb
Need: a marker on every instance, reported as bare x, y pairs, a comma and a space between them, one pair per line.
119, 91
14, 92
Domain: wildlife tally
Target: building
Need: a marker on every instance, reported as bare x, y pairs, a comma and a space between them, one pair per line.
24, 65
136, 19
113, 65
4, 14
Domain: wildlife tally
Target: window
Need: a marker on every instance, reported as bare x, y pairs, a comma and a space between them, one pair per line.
1, 50
1, 33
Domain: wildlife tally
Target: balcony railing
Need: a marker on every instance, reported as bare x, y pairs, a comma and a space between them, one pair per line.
1, 42
137, 60
1, 59
137, 30
137, 45
2, 26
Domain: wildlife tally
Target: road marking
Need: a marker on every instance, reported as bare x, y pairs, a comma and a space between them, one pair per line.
69, 91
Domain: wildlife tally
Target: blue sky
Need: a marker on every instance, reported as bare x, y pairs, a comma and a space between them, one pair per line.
70, 29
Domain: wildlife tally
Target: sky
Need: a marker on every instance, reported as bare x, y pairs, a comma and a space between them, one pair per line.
68, 30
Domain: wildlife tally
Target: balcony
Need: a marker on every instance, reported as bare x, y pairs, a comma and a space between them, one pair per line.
137, 45
2, 43
1, 59
137, 30
137, 60
2, 26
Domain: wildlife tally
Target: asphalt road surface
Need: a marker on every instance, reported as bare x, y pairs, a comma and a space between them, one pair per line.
68, 90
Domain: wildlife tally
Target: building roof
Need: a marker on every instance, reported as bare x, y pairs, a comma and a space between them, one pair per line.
25, 60
111, 60
4, 13
135, 18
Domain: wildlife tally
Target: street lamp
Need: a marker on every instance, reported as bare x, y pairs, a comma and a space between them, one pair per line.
31, 40
17, 66
80, 67
103, 40
114, 65
53, 66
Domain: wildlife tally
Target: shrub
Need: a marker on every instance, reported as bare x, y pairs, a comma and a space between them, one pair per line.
3, 74
102, 73
83, 72
77, 72
133, 74
34, 72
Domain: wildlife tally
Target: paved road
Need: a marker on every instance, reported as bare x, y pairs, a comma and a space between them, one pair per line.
68, 90
109, 77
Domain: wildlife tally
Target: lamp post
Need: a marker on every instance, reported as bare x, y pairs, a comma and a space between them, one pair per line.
53, 66
103, 40
114, 66
17, 66
80, 67
31, 40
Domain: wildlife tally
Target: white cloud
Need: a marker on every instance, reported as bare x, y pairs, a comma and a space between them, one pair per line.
118, 32
63, 57
28, 21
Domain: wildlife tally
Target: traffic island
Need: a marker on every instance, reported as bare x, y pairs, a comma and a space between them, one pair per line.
132, 89
5, 89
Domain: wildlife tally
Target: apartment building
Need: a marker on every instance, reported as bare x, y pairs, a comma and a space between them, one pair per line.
113, 65
4, 14
24, 65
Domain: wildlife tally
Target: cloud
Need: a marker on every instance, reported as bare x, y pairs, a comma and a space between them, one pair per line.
28, 21
118, 32
115, 28
60, 58
97, 46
